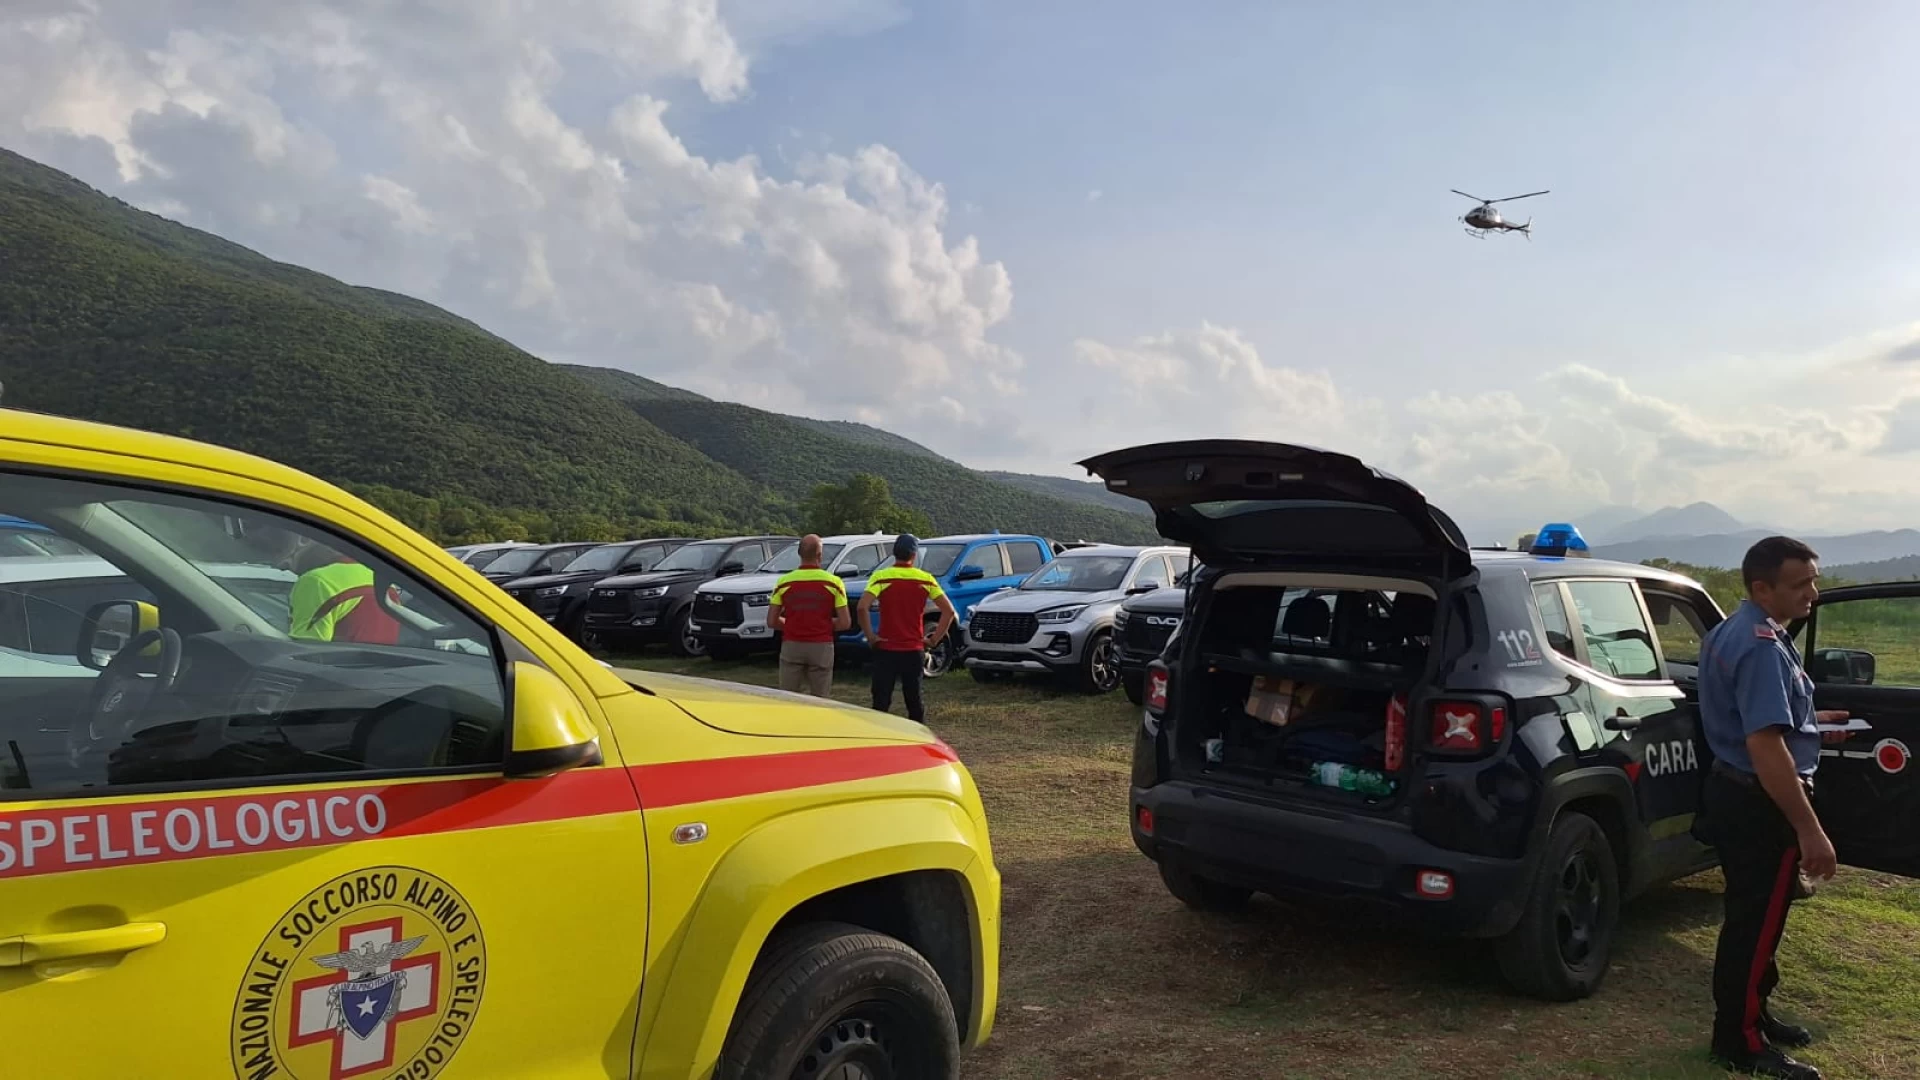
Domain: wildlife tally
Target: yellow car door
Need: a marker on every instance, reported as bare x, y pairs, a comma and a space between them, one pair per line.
310, 825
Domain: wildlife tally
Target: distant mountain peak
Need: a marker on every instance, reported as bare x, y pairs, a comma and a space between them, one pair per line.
1694, 519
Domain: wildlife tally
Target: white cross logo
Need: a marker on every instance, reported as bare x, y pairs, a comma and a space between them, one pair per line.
369, 958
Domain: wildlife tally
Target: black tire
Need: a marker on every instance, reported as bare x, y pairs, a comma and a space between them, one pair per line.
1203, 894
832, 995
574, 625
1099, 669
941, 658
683, 641
1561, 947
1135, 684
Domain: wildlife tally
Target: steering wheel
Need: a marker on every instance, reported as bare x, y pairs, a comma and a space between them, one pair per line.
121, 694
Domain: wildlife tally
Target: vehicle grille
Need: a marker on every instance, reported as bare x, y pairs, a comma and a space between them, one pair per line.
609, 601
719, 609
1142, 639
1006, 628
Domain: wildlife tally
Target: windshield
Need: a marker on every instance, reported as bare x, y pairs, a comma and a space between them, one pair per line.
694, 557
601, 558
516, 561
937, 559
789, 558
1080, 573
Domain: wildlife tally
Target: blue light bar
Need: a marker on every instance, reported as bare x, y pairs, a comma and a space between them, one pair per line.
1558, 540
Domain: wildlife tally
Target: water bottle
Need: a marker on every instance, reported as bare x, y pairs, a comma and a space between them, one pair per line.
1334, 774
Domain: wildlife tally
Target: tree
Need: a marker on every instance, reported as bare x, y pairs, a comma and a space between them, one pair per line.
863, 504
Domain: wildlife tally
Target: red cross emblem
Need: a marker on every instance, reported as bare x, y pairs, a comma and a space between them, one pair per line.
372, 991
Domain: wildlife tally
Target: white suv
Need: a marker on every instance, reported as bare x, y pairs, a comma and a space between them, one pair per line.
730, 614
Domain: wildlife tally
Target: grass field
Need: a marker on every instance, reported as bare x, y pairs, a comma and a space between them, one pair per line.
1106, 977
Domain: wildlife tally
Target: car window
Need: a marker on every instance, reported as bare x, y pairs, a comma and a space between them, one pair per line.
605, 558
865, 559
1677, 626
988, 558
937, 559
300, 653
483, 559
1866, 642
1153, 572
1553, 616
1025, 556
1618, 641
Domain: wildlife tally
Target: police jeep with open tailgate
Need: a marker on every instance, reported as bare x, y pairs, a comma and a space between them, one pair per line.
1361, 708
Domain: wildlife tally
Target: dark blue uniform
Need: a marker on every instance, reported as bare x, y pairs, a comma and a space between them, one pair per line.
1751, 680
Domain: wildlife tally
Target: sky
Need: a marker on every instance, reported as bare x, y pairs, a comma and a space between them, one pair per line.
1026, 233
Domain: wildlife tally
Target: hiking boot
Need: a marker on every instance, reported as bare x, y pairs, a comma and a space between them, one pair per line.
1770, 1062
1782, 1034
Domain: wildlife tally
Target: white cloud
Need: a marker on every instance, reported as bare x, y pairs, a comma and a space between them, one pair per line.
1574, 440
439, 149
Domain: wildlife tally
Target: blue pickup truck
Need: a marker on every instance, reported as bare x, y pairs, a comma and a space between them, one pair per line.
970, 567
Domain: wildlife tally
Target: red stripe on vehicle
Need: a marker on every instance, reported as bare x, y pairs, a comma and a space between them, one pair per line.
1763, 949
680, 782
80, 836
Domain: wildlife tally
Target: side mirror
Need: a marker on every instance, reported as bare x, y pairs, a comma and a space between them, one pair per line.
970, 573
550, 730
1842, 666
1145, 588
107, 627
732, 568
849, 572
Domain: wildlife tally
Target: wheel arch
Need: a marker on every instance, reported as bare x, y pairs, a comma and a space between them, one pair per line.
828, 861
1606, 796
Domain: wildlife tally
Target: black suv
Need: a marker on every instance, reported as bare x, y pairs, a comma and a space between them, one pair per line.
1140, 631
635, 609
1359, 708
560, 597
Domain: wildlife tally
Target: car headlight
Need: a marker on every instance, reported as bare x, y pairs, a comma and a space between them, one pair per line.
759, 599
1062, 614
650, 594
551, 590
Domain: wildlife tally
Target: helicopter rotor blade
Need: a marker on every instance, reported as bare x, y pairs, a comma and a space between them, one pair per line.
1528, 195
1475, 198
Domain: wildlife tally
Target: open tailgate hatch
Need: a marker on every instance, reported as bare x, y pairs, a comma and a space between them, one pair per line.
1242, 501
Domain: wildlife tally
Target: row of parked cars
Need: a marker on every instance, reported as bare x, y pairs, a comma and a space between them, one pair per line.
1092, 615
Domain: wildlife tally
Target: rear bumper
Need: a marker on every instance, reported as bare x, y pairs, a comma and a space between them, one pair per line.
1326, 855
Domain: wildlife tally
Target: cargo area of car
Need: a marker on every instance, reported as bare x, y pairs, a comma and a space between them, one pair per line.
1301, 685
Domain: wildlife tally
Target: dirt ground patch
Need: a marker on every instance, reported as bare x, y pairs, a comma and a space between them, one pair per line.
1104, 976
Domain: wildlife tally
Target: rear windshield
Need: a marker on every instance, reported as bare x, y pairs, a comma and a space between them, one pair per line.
1272, 525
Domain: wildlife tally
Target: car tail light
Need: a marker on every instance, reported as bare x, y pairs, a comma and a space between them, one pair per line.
1434, 884
1145, 817
1157, 681
1466, 726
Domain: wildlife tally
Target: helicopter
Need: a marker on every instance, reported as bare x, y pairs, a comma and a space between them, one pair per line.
1484, 219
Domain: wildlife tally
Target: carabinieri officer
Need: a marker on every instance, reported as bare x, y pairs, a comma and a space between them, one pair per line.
1756, 710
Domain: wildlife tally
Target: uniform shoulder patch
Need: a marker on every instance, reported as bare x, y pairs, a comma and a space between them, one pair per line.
1763, 631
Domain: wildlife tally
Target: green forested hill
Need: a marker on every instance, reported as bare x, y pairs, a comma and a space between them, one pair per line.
790, 457
114, 314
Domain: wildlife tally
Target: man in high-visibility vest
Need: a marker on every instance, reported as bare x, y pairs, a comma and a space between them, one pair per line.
806, 608
900, 645
333, 599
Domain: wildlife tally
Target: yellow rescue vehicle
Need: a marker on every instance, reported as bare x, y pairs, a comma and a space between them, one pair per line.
287, 791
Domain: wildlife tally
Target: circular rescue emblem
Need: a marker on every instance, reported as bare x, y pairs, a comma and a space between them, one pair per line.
1892, 755
376, 973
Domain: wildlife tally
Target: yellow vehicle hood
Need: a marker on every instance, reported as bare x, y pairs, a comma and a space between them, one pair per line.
757, 710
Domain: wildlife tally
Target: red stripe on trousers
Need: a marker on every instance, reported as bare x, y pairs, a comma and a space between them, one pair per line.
1764, 948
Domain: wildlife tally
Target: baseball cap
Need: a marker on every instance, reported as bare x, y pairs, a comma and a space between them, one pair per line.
906, 546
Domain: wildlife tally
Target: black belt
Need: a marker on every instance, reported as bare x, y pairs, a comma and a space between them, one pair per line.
1747, 779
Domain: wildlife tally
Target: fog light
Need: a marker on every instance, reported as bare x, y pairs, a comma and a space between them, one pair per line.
1146, 821
1434, 884
1060, 646
645, 622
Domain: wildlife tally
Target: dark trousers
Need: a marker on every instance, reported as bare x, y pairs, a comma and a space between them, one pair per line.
1761, 860
906, 667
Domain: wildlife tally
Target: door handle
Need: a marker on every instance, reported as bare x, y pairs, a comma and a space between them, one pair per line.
1620, 721
28, 949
